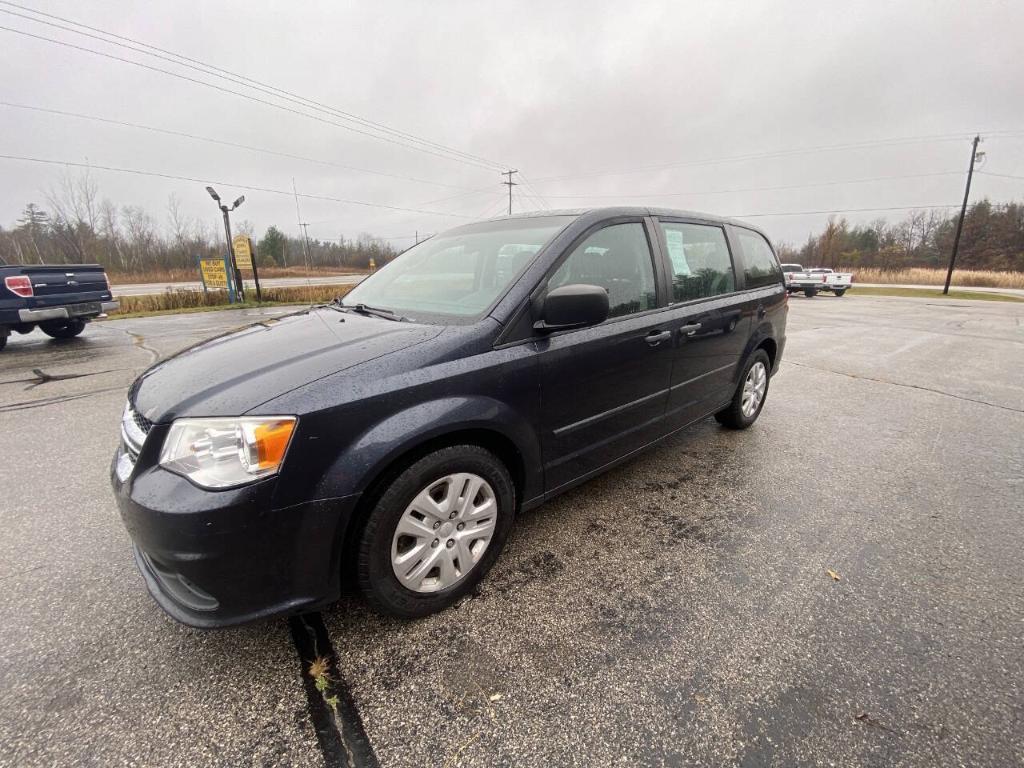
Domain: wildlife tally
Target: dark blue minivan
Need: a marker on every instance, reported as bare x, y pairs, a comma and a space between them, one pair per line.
392, 436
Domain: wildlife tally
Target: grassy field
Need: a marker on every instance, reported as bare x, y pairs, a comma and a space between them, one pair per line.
191, 275
928, 293
962, 278
194, 301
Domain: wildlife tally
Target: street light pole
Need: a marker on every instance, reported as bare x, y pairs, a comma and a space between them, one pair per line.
231, 250
236, 272
963, 213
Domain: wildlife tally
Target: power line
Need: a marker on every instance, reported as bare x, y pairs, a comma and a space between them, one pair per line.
486, 213
841, 210
1001, 175
238, 79
222, 142
156, 174
759, 189
237, 93
527, 186
462, 194
781, 153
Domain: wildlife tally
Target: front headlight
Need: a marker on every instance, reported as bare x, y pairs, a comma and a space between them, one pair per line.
219, 453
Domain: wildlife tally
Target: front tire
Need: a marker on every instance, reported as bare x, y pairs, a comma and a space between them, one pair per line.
435, 531
62, 329
752, 391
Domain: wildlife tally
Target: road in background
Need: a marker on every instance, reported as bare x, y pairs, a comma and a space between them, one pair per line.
676, 611
1008, 291
147, 289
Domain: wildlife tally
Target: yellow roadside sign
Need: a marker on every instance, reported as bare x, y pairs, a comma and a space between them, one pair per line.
215, 274
243, 251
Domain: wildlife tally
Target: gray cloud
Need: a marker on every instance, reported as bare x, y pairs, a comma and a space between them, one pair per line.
556, 89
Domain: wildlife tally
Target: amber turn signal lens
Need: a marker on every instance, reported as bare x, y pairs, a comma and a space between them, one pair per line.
272, 441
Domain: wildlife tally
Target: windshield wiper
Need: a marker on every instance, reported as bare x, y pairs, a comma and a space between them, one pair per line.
366, 309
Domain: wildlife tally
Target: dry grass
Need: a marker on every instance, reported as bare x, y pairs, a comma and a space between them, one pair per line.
932, 293
968, 278
181, 300
191, 275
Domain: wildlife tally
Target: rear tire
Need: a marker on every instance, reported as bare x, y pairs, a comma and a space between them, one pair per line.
385, 550
840, 291
62, 329
810, 293
3, 340
738, 414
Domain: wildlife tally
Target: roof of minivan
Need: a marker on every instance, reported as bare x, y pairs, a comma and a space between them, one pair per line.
631, 210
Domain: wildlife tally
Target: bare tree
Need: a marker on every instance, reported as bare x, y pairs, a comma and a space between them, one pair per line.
142, 240
111, 234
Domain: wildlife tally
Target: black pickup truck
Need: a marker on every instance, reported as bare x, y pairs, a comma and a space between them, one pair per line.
60, 299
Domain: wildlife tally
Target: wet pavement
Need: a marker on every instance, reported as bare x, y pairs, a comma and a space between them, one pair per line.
678, 610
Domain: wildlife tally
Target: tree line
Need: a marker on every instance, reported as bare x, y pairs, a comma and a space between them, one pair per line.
992, 238
78, 226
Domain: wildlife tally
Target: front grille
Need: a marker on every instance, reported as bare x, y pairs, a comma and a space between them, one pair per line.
134, 429
141, 421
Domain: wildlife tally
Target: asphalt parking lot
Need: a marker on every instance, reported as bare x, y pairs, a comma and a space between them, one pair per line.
676, 611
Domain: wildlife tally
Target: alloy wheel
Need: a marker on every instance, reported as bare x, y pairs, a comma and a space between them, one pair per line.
754, 387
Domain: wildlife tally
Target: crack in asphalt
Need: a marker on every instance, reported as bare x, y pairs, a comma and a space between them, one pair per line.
42, 377
339, 728
139, 341
908, 386
26, 404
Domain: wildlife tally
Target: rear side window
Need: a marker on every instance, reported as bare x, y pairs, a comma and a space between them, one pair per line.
759, 264
701, 265
617, 258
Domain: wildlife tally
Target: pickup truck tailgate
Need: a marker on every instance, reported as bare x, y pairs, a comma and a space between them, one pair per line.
67, 284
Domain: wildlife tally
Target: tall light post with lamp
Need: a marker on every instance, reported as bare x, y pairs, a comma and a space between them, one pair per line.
236, 274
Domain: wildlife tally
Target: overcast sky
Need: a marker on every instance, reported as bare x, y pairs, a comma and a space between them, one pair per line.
570, 93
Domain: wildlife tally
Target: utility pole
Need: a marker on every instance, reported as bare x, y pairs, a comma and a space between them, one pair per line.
305, 241
963, 213
509, 184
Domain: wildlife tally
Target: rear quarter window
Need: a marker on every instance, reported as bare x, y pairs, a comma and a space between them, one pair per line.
760, 267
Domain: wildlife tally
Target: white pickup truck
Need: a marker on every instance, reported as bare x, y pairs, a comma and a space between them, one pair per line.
810, 281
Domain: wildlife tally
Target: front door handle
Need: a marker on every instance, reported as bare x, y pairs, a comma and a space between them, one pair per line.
689, 329
654, 338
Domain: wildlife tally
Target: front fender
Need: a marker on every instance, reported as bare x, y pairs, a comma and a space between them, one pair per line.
402, 432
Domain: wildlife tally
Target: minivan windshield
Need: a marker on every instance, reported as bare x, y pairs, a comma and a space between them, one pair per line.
461, 272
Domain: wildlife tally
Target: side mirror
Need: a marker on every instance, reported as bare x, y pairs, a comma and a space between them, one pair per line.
573, 306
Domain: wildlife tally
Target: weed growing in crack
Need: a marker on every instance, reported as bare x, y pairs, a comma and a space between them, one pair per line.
320, 671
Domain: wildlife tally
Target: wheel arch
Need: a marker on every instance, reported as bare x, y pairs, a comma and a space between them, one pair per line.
499, 437
771, 348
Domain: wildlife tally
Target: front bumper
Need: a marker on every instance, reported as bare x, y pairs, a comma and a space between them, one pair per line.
67, 312
218, 558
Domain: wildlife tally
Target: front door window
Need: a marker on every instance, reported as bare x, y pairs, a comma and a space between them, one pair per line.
617, 258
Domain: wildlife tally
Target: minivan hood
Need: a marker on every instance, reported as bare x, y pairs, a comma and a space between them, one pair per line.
234, 373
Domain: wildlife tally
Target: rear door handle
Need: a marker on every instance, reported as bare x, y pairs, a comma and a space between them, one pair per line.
689, 329
654, 338
761, 312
